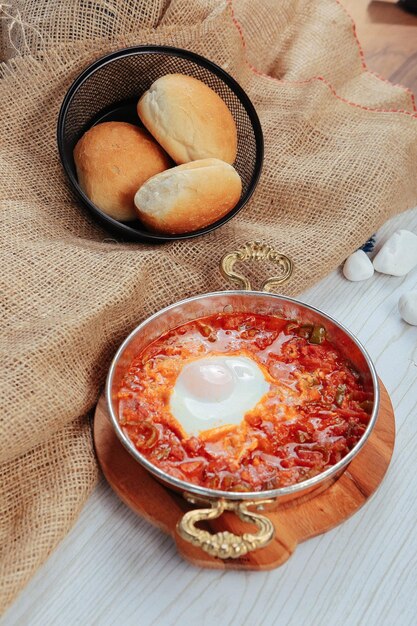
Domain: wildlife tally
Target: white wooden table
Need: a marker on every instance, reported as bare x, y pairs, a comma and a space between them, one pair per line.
115, 568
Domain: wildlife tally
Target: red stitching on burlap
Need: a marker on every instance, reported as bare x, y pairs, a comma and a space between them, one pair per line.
366, 68
321, 78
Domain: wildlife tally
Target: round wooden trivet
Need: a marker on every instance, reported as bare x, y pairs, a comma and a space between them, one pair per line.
294, 521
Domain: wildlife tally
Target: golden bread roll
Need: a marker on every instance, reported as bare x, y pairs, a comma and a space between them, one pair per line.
188, 197
113, 160
188, 119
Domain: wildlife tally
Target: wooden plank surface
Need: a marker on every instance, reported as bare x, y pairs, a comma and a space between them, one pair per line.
388, 35
115, 568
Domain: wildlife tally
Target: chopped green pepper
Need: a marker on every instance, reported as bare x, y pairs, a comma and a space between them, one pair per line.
292, 324
163, 453
367, 406
149, 436
305, 331
241, 487
302, 436
318, 335
340, 395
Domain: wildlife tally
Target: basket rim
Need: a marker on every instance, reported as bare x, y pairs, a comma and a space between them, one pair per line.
123, 227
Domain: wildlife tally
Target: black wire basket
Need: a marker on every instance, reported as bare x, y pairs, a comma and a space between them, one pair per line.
109, 89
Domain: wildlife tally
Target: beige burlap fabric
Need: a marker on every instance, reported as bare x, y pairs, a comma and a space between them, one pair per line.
340, 158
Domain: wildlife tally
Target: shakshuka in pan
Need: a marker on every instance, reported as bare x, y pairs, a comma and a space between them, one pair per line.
240, 402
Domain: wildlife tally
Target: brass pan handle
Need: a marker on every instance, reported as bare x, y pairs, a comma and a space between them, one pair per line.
256, 251
226, 545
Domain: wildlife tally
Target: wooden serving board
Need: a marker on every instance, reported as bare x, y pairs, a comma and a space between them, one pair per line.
294, 521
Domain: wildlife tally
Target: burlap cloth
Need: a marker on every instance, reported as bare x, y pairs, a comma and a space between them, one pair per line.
340, 158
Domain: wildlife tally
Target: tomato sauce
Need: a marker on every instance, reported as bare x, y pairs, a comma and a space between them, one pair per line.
314, 413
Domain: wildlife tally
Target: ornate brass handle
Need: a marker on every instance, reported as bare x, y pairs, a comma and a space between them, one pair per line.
226, 545
256, 251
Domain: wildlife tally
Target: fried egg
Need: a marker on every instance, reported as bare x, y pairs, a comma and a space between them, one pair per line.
215, 391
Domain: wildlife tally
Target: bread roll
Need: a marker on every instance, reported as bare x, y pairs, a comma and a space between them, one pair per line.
113, 160
188, 119
188, 197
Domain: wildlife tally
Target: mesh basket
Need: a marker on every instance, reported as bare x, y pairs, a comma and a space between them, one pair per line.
108, 90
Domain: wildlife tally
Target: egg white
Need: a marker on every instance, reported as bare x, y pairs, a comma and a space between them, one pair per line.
216, 391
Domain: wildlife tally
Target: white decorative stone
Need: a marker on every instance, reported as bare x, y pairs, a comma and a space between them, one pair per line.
407, 307
358, 266
398, 255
